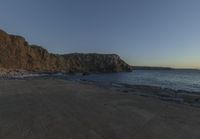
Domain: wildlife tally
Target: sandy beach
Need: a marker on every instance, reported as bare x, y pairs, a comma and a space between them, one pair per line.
59, 109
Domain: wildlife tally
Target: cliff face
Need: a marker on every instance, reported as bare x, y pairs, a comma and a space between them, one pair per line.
16, 53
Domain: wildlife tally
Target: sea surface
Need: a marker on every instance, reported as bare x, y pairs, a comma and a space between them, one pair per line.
188, 80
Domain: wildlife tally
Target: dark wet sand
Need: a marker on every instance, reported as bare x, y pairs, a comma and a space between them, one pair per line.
58, 109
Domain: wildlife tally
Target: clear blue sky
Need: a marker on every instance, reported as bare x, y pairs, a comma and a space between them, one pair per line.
143, 32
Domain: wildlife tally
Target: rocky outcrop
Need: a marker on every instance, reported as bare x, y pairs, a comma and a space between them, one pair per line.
16, 53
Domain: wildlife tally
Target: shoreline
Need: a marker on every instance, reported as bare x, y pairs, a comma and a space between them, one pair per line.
166, 94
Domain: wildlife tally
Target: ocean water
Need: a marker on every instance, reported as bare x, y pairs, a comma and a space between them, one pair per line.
188, 80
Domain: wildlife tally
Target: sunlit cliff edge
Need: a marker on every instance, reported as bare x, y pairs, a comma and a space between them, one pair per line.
17, 53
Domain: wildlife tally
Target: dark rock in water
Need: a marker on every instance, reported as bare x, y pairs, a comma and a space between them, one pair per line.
85, 73
16, 53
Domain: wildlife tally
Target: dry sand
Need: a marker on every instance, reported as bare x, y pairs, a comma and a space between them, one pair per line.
58, 109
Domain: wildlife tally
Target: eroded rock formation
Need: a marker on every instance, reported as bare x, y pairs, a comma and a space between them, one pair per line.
16, 53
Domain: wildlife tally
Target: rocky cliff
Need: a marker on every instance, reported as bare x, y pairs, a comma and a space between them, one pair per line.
16, 53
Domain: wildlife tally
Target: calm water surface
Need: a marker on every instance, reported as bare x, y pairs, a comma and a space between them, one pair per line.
176, 79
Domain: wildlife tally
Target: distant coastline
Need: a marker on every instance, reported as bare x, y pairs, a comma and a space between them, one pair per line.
160, 68
150, 68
